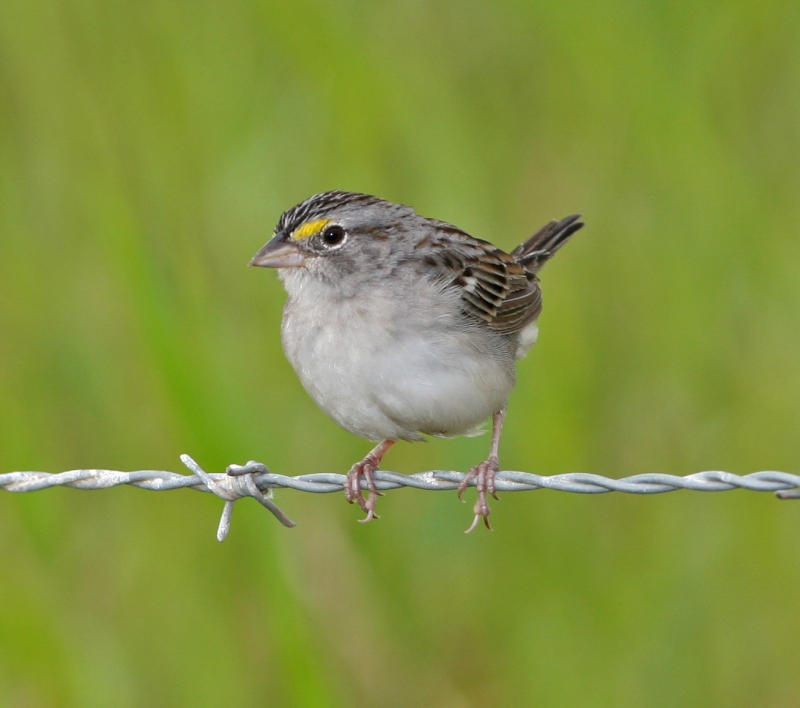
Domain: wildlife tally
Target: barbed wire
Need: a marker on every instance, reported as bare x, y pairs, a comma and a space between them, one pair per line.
255, 480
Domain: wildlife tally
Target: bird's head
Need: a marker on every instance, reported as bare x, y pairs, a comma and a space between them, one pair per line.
340, 237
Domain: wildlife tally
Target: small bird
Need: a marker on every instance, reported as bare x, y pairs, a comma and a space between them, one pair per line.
400, 326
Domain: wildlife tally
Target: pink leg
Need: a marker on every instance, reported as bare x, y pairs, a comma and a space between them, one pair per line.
484, 475
367, 467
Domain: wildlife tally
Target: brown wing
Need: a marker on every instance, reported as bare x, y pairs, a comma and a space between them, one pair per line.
494, 287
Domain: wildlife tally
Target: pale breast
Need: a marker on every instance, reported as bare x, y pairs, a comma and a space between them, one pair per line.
383, 370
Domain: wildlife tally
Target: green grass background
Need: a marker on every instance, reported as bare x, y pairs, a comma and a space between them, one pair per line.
147, 149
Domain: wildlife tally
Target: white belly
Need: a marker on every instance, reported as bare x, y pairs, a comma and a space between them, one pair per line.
380, 378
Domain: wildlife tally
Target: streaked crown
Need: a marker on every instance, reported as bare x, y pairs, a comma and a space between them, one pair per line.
310, 215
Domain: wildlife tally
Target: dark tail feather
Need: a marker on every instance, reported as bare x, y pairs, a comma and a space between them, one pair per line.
546, 241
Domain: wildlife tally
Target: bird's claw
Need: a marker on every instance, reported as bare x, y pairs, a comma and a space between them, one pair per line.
484, 475
352, 487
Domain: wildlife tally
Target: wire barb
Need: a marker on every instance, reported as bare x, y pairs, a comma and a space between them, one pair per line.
255, 480
239, 484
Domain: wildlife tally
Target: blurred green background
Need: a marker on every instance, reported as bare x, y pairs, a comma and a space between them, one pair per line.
147, 149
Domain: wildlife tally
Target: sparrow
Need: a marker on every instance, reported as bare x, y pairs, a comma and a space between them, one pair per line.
401, 326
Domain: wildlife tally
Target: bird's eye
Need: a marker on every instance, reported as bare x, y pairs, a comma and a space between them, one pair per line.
333, 235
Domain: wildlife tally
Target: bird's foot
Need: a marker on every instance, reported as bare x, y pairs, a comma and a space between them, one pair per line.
352, 487
484, 475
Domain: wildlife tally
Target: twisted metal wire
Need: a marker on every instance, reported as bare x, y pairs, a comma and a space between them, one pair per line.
255, 480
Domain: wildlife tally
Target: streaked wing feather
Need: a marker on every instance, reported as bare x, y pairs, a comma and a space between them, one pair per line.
495, 288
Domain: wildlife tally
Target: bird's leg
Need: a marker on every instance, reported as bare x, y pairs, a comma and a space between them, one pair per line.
367, 466
484, 475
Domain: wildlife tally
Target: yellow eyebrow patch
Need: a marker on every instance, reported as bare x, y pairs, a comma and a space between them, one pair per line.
309, 228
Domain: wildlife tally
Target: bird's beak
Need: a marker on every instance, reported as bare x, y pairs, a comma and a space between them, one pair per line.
279, 254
